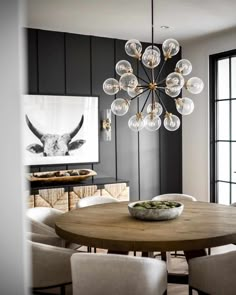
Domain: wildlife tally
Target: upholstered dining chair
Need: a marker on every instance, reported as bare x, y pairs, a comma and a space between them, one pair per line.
95, 200
50, 268
45, 215
174, 197
45, 239
99, 274
214, 275
42, 221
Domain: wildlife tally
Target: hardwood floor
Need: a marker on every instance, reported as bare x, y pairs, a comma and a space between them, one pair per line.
177, 265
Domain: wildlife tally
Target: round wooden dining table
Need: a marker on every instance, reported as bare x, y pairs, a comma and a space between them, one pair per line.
110, 226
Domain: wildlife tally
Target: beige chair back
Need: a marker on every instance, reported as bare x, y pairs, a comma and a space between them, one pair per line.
214, 274
94, 200
100, 274
44, 215
174, 197
50, 265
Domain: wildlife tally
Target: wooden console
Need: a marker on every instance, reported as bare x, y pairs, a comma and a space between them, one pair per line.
64, 197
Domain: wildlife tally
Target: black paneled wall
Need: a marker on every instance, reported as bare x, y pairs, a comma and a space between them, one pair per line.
69, 64
170, 142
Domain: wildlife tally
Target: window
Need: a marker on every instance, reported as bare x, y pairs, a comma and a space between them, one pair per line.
223, 127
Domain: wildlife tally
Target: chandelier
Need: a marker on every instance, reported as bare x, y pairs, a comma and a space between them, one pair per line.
152, 85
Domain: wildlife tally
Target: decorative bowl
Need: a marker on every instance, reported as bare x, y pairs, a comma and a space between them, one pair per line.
61, 176
155, 210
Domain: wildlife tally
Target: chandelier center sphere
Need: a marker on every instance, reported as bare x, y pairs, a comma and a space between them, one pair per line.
152, 86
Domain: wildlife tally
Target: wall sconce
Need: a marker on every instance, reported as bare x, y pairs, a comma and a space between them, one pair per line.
106, 125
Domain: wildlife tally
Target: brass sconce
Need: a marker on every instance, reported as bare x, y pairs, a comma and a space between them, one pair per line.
106, 125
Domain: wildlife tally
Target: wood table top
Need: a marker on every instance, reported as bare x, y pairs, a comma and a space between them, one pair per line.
110, 226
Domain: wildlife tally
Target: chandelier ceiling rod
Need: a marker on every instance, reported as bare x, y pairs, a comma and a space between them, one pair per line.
152, 26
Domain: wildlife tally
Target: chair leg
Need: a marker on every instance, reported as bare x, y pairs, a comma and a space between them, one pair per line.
209, 251
190, 290
163, 256
165, 293
63, 290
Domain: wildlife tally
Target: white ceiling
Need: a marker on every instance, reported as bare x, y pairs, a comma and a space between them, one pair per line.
125, 19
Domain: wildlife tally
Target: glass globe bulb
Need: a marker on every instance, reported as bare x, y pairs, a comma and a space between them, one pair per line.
151, 58
134, 91
154, 48
111, 86
120, 106
136, 122
184, 67
157, 109
133, 48
174, 80
127, 81
170, 47
172, 91
194, 85
184, 106
171, 122
152, 122
123, 66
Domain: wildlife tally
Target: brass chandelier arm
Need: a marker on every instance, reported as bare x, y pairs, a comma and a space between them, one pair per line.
161, 81
145, 72
159, 97
153, 100
142, 79
162, 67
143, 86
153, 80
139, 94
164, 93
146, 101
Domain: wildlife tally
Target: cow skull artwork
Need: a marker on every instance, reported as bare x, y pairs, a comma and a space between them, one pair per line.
55, 144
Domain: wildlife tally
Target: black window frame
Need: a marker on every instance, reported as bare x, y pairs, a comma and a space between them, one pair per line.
213, 70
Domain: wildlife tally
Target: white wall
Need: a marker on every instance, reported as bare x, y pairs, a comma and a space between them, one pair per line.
13, 254
196, 126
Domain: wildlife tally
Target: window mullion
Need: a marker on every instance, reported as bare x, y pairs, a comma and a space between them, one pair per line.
230, 131
215, 132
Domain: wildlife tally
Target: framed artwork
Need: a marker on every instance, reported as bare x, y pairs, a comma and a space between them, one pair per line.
60, 129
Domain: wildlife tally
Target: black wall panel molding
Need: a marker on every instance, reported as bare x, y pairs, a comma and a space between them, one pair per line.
32, 53
102, 67
70, 64
170, 143
78, 59
51, 63
127, 140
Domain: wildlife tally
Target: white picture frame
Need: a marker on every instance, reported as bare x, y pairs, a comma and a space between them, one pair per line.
60, 129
